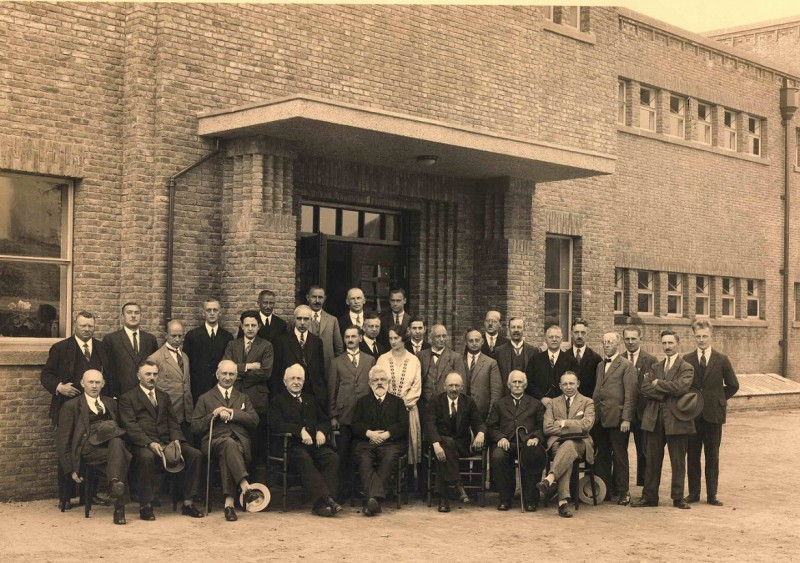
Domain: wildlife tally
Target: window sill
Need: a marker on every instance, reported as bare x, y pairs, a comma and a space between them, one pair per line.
694, 145
796, 168
25, 351
683, 321
560, 29
795, 324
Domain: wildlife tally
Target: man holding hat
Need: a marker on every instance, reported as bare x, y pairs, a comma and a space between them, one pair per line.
157, 441
668, 419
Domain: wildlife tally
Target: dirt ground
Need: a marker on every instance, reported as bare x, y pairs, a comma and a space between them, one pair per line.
757, 523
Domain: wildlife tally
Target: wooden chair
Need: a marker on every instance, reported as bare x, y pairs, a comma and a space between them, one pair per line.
472, 469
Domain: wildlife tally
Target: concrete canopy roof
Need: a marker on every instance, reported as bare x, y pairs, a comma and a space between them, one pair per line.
360, 134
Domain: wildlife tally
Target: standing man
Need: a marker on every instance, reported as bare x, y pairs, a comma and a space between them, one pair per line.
371, 342
544, 370
348, 381
586, 358
515, 354
205, 345
270, 326
614, 398
643, 362
436, 362
355, 309
301, 347
396, 315
173, 375
127, 347
491, 336
324, 325
714, 375
66, 363
484, 384
665, 421
416, 330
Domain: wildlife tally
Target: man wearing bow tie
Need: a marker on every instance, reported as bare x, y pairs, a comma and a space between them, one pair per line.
127, 347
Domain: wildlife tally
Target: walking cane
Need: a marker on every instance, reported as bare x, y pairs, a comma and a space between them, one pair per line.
519, 468
208, 467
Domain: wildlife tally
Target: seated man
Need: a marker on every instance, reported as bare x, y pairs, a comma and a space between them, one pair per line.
380, 427
98, 445
231, 440
447, 424
515, 425
297, 413
150, 422
567, 422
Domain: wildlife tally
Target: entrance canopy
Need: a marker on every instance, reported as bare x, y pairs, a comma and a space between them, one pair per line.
372, 136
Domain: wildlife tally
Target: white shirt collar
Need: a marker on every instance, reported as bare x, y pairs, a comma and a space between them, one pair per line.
614, 357
297, 334
92, 407
130, 332
670, 361
554, 355
222, 390
707, 353
378, 398
369, 341
81, 343
146, 391
581, 349
265, 318
475, 355
354, 317
518, 346
209, 328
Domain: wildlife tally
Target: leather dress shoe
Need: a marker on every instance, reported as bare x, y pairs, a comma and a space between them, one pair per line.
691, 498
119, 515
250, 496
462, 494
643, 502
100, 501
564, 511
65, 505
191, 510
681, 503
230, 514
372, 507
116, 488
504, 505
146, 513
530, 507
624, 499
334, 506
546, 489
714, 501
444, 504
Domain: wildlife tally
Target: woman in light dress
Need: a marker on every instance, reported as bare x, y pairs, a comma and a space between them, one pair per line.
405, 381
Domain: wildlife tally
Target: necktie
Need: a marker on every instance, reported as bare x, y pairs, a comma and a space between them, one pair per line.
516, 403
179, 358
135, 344
416, 348
552, 361
213, 333
436, 357
630, 357
358, 320
374, 348
578, 356
152, 398
99, 407
703, 358
471, 362
666, 365
299, 399
396, 319
518, 351
302, 340
247, 345
227, 397
453, 410
315, 324
86, 352
569, 400
354, 359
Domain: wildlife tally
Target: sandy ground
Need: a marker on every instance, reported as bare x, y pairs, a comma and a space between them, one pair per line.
757, 523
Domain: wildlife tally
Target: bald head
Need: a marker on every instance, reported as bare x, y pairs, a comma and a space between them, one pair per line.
92, 382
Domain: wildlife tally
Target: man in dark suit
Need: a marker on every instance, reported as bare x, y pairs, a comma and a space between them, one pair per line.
447, 424
669, 380
491, 335
643, 362
173, 375
370, 343
127, 347
324, 325
396, 315
438, 361
150, 423
515, 354
416, 330
484, 384
270, 325
235, 420
254, 358
615, 395
714, 375
380, 427
66, 363
88, 432
348, 381
355, 309
567, 421
297, 413
516, 424
586, 358
205, 345
544, 370
301, 347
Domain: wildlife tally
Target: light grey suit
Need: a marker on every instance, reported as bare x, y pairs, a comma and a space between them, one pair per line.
578, 421
175, 382
484, 383
434, 373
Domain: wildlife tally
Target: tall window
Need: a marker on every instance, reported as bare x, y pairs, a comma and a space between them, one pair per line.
644, 294
674, 294
752, 299
622, 107
728, 297
351, 223
647, 109
753, 135
729, 130
571, 16
701, 296
677, 116
619, 290
704, 124
558, 282
35, 256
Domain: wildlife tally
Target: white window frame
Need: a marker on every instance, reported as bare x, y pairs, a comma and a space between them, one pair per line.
619, 291
752, 296
648, 290
565, 291
647, 111
704, 124
675, 291
577, 23
729, 136
622, 102
753, 135
728, 296
702, 293
677, 117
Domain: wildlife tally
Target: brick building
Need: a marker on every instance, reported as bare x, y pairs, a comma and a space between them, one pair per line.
546, 162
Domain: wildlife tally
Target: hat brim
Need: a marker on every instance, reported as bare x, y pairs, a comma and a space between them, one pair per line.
263, 498
690, 414
585, 489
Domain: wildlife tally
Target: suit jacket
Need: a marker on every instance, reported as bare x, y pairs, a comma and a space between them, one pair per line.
277, 326
436, 421
484, 383
387, 320
644, 364
616, 392
434, 373
366, 349
587, 369
670, 386
718, 383
288, 352
579, 420
543, 380
73, 429
144, 423
204, 355
347, 384
124, 361
393, 417
504, 356
506, 417
289, 416
244, 420
329, 333
499, 341
66, 364
410, 347
175, 382
344, 320
252, 381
